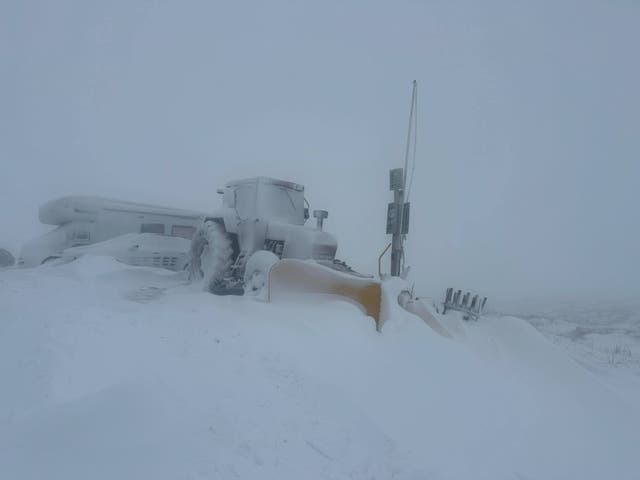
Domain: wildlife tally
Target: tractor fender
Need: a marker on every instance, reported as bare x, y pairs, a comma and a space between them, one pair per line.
226, 216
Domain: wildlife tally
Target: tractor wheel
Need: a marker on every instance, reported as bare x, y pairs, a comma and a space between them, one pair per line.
210, 256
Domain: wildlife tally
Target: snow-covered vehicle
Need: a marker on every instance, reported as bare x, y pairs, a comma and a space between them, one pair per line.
139, 249
259, 234
258, 215
85, 221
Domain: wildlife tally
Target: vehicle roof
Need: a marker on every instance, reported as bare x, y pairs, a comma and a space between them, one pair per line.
58, 211
267, 180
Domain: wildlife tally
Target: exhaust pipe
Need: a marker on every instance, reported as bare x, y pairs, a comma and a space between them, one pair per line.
320, 215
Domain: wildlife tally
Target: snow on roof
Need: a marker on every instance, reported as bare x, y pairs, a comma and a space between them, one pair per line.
85, 208
268, 180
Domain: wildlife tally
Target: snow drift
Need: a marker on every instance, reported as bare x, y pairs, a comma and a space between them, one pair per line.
112, 371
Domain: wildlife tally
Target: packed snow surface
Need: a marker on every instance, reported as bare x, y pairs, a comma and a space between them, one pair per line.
602, 336
116, 372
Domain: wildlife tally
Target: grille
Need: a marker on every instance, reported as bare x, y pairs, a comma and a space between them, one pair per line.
323, 252
158, 261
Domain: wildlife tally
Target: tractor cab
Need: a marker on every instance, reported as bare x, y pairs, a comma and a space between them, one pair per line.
263, 197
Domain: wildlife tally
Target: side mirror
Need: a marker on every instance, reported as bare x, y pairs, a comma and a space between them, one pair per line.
306, 213
220, 191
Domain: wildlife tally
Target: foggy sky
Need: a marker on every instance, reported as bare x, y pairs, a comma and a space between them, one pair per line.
529, 119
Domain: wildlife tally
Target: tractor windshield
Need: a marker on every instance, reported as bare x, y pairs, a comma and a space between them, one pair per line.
283, 204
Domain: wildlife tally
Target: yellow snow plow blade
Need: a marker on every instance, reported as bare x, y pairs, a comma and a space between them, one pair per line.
291, 276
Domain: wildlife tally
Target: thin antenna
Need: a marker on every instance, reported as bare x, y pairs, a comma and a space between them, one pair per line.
415, 142
412, 112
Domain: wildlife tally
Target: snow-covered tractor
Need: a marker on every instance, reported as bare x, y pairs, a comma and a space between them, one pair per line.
261, 221
258, 239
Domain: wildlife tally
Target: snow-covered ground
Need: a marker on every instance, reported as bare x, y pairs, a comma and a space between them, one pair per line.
602, 336
109, 371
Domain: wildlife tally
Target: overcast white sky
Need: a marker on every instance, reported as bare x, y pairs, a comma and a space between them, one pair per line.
529, 136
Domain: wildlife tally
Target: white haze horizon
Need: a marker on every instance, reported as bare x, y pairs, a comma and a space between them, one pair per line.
529, 112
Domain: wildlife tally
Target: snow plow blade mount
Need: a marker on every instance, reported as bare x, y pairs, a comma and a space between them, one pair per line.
292, 276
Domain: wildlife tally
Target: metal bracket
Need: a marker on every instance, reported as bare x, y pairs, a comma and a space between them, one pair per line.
471, 307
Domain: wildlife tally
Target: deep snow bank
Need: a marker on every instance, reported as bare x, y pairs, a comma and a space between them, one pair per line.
111, 371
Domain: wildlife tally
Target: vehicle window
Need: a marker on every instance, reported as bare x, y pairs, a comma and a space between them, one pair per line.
183, 231
280, 203
81, 236
245, 201
152, 228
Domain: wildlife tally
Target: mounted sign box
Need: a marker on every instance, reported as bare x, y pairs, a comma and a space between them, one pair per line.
396, 179
393, 219
405, 219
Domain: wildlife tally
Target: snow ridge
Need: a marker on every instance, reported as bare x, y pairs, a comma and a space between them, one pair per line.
112, 371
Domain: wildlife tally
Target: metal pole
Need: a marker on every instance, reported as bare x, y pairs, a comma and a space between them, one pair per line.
399, 192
